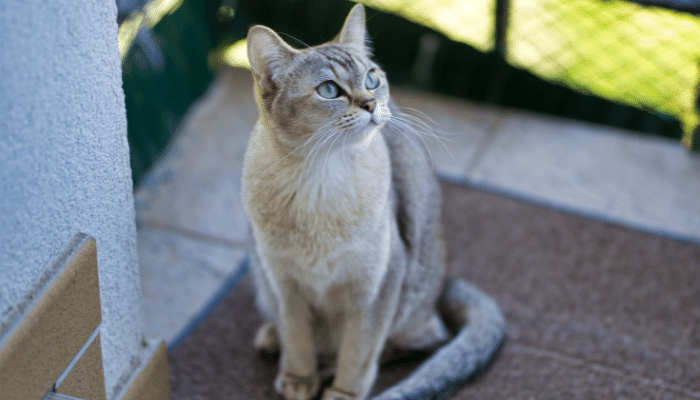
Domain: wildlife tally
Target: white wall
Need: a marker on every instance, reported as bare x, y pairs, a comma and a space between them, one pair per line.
64, 161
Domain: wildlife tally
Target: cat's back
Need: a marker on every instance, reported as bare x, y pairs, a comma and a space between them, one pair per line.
413, 176
417, 211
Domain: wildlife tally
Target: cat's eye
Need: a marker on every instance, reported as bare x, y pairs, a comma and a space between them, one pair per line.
328, 90
372, 80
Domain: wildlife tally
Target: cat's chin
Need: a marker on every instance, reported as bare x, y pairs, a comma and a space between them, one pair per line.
369, 134
374, 122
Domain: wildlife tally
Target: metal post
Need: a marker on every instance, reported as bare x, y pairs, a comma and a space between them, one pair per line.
502, 13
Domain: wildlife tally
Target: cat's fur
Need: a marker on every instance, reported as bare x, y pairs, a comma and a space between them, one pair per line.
349, 258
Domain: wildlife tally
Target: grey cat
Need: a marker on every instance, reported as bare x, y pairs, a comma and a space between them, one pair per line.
349, 259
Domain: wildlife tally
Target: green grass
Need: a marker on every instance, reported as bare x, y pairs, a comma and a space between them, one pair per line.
640, 56
644, 57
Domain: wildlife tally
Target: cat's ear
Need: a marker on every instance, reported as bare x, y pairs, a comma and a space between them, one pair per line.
267, 52
354, 33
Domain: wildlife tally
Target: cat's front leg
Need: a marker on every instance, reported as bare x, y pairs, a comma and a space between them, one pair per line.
298, 376
363, 338
366, 325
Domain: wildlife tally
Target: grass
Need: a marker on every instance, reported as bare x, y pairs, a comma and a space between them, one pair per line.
640, 56
645, 57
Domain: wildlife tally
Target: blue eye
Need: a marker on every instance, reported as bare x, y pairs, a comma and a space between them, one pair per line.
328, 90
372, 80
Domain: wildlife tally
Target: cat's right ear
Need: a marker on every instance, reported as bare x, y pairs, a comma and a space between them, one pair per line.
267, 52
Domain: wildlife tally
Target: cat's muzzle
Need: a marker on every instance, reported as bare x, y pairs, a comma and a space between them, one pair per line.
381, 115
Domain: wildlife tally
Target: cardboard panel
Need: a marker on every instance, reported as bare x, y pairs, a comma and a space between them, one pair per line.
36, 351
86, 379
151, 381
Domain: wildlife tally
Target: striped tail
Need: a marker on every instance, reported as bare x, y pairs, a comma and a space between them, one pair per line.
481, 333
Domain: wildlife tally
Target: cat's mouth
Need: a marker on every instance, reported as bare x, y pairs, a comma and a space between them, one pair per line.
380, 115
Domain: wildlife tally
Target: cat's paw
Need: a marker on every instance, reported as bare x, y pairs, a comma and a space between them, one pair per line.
337, 394
294, 387
266, 339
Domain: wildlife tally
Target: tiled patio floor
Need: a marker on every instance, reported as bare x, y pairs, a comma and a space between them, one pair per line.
191, 226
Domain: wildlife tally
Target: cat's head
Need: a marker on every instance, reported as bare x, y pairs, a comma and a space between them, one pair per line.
329, 90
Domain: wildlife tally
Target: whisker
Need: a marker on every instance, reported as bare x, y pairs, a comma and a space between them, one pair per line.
317, 148
314, 138
345, 138
407, 125
330, 147
316, 141
426, 128
422, 128
400, 131
292, 37
319, 132
311, 156
421, 118
419, 113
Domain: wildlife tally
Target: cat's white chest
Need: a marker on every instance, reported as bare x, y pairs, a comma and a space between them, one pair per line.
325, 227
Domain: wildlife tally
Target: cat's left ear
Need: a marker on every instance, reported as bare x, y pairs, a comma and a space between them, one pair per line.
354, 33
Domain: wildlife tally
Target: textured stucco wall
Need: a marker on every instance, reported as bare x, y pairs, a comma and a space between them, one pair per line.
64, 161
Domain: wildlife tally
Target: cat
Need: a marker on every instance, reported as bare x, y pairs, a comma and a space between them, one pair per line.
348, 257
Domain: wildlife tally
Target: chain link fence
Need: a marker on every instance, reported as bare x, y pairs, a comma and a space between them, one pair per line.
644, 56
612, 62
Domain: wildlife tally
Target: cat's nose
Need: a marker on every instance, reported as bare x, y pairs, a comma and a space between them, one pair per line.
368, 104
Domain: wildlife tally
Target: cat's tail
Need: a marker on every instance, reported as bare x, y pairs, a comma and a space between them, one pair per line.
481, 333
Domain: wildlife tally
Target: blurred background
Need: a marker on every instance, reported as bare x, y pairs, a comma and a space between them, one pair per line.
632, 65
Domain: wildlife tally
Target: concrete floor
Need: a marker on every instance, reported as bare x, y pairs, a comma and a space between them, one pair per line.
192, 229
